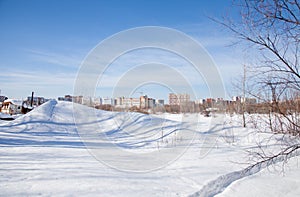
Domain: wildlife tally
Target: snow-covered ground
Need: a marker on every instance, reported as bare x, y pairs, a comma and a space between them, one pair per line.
42, 153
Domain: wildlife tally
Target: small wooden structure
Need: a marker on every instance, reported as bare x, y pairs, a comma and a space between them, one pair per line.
11, 106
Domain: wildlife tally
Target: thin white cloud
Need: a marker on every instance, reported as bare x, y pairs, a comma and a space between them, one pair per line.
68, 60
20, 82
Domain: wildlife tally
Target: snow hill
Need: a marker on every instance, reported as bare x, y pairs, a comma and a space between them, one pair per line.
44, 153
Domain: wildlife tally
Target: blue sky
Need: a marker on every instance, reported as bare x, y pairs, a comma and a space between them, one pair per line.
44, 42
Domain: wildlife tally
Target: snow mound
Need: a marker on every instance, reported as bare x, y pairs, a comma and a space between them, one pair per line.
43, 126
128, 130
41, 114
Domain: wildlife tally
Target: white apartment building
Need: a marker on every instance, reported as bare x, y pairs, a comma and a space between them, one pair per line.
179, 99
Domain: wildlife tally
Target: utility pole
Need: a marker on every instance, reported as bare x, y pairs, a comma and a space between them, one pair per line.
31, 102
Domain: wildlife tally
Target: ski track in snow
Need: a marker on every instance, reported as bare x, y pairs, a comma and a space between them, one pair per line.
218, 185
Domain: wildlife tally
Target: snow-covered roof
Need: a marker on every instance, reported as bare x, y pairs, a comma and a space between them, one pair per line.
13, 101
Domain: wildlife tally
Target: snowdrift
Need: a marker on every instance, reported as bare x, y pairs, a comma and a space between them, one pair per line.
43, 126
127, 130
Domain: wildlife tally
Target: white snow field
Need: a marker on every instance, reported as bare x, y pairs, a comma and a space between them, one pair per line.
42, 154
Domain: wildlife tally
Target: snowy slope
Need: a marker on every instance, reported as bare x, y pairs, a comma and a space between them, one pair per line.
41, 127
41, 153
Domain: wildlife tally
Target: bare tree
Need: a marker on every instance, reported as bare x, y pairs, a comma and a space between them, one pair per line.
240, 86
244, 96
272, 29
